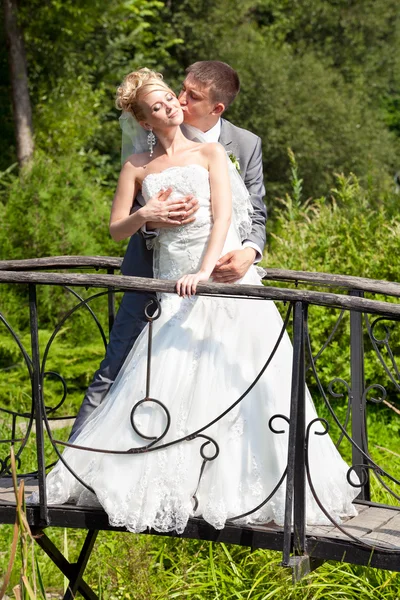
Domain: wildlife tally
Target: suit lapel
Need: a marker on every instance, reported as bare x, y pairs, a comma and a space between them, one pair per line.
229, 139
225, 137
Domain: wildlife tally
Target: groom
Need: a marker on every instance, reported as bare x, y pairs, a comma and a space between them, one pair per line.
207, 91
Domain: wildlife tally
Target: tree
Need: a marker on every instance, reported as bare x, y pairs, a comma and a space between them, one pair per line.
314, 76
19, 83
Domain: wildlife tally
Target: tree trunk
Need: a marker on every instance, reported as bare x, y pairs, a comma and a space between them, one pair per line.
19, 83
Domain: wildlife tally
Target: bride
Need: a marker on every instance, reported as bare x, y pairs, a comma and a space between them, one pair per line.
206, 351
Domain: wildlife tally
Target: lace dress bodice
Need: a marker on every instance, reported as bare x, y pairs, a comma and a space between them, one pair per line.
184, 180
178, 251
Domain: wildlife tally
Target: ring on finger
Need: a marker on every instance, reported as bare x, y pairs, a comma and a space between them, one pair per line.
168, 215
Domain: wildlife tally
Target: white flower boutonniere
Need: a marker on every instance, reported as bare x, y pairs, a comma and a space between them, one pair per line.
235, 161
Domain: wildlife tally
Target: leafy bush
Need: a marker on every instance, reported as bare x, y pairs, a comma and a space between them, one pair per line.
58, 208
313, 77
353, 231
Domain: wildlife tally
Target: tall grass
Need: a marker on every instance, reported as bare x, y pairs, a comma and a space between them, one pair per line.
145, 567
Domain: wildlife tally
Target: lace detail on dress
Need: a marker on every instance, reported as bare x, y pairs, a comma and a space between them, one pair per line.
176, 308
172, 244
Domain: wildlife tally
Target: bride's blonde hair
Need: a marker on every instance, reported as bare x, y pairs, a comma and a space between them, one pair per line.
136, 85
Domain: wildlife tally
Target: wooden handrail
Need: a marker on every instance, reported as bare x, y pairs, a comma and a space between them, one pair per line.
376, 286
145, 284
61, 262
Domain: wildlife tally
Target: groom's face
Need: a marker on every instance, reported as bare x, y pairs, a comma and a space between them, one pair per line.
196, 103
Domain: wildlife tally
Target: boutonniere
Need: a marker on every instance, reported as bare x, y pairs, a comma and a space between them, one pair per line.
235, 161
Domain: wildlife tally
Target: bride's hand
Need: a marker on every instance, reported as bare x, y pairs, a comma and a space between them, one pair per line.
163, 211
187, 285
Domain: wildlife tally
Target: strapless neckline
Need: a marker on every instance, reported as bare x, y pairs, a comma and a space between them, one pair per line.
175, 167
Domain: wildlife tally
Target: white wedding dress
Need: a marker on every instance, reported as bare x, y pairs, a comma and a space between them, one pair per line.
206, 352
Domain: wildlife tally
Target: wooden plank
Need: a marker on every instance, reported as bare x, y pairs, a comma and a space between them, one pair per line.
388, 534
360, 508
324, 530
271, 526
168, 286
373, 525
311, 278
377, 286
374, 517
54, 424
363, 524
7, 491
61, 262
319, 530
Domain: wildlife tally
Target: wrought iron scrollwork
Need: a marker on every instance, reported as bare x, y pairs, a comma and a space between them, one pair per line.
338, 389
369, 466
153, 439
391, 369
339, 526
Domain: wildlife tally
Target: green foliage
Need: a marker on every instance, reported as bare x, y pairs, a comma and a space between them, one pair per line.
300, 103
351, 232
313, 76
129, 567
76, 363
56, 208
359, 38
79, 52
59, 208
320, 77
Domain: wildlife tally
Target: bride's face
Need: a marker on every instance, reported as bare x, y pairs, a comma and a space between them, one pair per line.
162, 109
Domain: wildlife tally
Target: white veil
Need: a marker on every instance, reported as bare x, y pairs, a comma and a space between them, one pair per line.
134, 137
134, 141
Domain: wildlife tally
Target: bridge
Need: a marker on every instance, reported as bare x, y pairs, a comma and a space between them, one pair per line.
364, 313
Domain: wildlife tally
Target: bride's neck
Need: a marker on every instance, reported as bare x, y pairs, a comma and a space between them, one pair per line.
172, 141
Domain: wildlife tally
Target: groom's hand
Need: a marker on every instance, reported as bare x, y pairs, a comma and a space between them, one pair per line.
177, 212
233, 266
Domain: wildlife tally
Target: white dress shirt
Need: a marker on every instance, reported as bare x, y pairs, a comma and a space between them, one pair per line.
212, 135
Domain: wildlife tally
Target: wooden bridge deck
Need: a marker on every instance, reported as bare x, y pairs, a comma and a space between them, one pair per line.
374, 526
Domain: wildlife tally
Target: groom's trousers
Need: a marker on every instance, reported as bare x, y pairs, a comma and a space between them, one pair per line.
129, 323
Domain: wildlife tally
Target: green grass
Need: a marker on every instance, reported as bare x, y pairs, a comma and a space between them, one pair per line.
144, 567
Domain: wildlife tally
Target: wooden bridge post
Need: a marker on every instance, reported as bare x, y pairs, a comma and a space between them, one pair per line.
38, 406
358, 400
295, 483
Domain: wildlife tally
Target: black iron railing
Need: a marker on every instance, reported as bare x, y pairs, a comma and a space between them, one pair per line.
369, 320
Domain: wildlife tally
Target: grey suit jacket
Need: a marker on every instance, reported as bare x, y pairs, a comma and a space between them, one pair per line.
246, 146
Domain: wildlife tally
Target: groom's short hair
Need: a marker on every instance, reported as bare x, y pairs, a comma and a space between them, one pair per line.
222, 80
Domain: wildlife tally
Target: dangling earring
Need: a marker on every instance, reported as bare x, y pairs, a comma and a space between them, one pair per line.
151, 141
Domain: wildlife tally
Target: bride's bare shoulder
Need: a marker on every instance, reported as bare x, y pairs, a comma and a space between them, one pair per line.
213, 150
137, 160
135, 165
